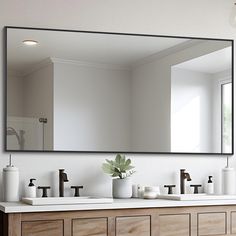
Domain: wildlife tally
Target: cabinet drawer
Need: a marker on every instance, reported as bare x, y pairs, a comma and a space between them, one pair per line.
175, 225
212, 223
43, 228
233, 222
93, 226
133, 226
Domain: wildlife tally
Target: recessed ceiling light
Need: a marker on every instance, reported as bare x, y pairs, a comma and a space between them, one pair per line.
30, 42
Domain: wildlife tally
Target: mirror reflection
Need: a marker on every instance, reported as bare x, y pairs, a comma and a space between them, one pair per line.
103, 92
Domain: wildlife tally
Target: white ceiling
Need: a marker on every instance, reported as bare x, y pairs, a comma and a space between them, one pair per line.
102, 48
212, 63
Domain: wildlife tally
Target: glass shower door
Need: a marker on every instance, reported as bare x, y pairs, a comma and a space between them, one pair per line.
24, 133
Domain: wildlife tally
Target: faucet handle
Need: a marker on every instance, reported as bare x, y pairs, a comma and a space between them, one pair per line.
44, 188
170, 188
195, 186
77, 188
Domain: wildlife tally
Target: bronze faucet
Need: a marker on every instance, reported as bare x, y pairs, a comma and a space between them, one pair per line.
183, 176
62, 179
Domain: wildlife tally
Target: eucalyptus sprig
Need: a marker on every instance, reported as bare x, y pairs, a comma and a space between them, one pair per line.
120, 167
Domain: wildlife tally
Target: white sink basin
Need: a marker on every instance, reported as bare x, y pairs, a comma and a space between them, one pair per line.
65, 200
196, 197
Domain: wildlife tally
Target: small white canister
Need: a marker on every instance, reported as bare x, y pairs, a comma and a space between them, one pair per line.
135, 188
151, 192
11, 183
140, 191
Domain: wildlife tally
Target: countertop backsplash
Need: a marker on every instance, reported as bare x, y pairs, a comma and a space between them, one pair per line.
86, 170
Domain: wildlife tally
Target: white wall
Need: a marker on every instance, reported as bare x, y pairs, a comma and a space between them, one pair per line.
14, 95
38, 99
150, 120
203, 18
83, 111
191, 111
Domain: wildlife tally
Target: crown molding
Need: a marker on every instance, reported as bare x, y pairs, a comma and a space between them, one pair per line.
89, 64
167, 52
53, 60
44, 63
14, 73
226, 74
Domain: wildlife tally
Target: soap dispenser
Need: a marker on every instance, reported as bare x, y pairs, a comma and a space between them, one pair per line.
11, 183
30, 190
210, 185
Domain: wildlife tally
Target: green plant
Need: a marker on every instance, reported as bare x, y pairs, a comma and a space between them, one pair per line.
120, 167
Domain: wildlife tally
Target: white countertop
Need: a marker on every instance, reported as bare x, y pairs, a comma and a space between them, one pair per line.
19, 207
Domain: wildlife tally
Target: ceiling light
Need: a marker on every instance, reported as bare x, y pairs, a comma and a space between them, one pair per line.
30, 42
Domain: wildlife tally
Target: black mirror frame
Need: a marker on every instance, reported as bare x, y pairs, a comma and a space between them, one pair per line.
112, 33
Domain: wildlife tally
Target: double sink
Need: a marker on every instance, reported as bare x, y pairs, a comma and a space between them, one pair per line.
95, 200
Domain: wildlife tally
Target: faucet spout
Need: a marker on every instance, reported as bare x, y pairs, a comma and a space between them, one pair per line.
187, 177
62, 179
183, 175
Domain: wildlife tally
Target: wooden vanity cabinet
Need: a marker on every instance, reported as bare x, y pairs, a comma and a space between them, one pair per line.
179, 221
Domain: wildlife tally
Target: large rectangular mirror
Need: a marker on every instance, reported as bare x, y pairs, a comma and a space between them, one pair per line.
111, 92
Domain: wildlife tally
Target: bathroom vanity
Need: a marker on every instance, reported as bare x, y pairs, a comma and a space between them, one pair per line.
133, 217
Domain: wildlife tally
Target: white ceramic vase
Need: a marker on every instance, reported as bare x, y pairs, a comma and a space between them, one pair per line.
122, 188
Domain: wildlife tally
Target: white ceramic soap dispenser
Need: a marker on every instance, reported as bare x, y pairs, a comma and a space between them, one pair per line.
228, 180
30, 190
11, 183
210, 186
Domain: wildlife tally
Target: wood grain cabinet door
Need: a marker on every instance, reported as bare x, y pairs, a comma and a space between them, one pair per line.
43, 228
90, 227
174, 225
133, 226
213, 223
233, 222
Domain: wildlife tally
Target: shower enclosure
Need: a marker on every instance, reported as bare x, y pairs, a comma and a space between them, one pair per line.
25, 133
